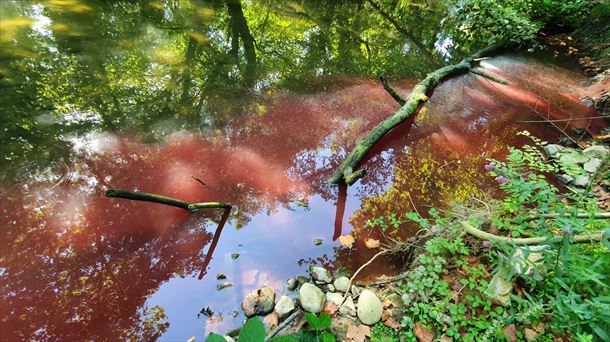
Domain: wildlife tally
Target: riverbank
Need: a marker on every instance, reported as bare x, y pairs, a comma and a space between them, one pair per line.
532, 265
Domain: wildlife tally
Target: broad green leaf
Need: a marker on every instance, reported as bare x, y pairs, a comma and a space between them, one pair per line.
252, 331
313, 321
324, 320
215, 338
286, 338
327, 337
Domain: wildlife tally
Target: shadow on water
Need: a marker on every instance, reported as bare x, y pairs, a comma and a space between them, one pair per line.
146, 96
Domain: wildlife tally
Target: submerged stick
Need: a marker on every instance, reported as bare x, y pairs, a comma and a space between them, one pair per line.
154, 198
208, 255
351, 280
347, 170
581, 238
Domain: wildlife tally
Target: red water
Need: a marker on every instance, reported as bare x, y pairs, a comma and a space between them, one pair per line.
76, 265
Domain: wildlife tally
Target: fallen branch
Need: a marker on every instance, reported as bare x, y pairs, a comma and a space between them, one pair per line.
282, 326
579, 215
347, 170
154, 198
391, 90
581, 238
349, 286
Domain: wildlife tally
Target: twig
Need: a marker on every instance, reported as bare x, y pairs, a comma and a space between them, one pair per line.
282, 326
579, 215
200, 181
488, 76
349, 286
561, 120
154, 198
391, 90
390, 279
581, 238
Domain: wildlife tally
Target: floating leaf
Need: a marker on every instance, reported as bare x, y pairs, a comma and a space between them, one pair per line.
346, 240
372, 243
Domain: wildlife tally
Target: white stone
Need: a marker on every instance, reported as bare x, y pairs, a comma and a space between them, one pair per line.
369, 308
552, 149
581, 181
348, 307
284, 306
592, 165
341, 284
312, 298
320, 274
597, 151
333, 298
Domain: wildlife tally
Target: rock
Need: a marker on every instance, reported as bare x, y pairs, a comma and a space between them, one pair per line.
259, 302
302, 279
533, 266
229, 339
234, 256
340, 326
348, 307
318, 242
596, 151
331, 288
341, 284
369, 308
312, 298
320, 274
356, 290
499, 288
565, 179
284, 306
581, 181
223, 285
553, 149
572, 157
291, 284
592, 165
333, 298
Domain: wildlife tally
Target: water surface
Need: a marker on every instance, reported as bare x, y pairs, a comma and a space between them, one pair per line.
259, 101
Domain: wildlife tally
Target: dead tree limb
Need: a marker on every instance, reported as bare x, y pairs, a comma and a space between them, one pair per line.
581, 238
146, 197
347, 170
391, 90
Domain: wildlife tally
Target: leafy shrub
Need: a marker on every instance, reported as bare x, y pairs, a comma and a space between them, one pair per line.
517, 21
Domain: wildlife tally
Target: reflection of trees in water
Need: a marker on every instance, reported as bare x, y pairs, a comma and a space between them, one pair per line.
78, 267
155, 67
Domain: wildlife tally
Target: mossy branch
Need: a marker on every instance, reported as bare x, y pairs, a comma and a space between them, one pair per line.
154, 198
347, 171
544, 240
391, 90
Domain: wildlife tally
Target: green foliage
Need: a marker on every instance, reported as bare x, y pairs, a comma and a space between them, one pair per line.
445, 291
517, 21
381, 333
253, 330
215, 338
320, 324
